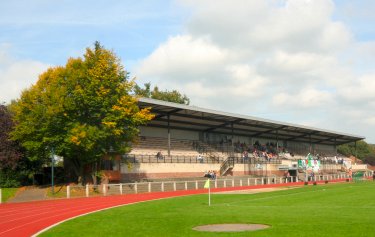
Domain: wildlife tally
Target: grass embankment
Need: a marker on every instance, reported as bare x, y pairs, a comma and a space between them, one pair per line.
8, 193
323, 210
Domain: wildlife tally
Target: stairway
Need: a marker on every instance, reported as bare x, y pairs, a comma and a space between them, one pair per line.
226, 166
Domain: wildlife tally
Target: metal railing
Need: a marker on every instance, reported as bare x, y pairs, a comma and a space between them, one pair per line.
169, 186
131, 158
226, 165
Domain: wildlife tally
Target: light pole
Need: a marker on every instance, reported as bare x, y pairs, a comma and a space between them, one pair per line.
52, 169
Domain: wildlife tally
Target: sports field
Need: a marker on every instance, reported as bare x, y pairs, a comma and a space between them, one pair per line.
346, 209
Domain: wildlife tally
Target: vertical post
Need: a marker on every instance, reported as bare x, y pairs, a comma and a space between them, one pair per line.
196, 184
136, 188
232, 136
87, 190
149, 187
68, 191
277, 142
174, 186
215, 183
52, 169
241, 182
185, 185
209, 196
232, 182
104, 190
169, 137
1, 196
225, 183
248, 181
162, 186
121, 188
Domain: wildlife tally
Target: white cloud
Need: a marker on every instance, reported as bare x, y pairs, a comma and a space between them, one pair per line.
275, 56
16, 76
304, 98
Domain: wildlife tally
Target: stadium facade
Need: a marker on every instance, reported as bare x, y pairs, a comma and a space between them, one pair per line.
187, 141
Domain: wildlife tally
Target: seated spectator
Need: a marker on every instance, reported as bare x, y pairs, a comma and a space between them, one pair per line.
200, 158
245, 156
159, 155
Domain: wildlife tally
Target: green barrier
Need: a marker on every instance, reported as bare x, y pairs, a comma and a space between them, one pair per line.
359, 176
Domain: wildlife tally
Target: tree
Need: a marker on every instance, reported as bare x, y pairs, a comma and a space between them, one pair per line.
361, 150
82, 111
13, 168
10, 151
171, 96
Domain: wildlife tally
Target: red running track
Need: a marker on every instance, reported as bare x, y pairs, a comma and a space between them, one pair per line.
29, 218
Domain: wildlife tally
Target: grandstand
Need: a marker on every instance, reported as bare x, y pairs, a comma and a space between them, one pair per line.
185, 141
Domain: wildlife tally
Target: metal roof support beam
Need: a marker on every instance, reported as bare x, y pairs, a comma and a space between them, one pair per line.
302, 136
162, 114
328, 139
270, 130
222, 125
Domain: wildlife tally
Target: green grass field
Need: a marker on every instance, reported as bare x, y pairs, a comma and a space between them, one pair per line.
8, 193
346, 209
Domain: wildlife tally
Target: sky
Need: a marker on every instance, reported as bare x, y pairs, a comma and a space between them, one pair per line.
308, 62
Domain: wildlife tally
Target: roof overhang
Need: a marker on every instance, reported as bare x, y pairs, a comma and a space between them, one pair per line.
186, 117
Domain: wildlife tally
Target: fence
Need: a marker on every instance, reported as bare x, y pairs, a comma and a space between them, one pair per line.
169, 186
130, 158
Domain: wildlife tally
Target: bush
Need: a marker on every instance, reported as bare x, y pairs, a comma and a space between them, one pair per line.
306, 183
9, 180
13, 179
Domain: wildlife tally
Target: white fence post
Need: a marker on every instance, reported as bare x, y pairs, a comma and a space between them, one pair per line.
241, 182
104, 190
225, 183
162, 186
185, 185
121, 188
1, 196
232, 182
149, 187
136, 188
196, 184
68, 191
174, 186
248, 181
87, 190
215, 183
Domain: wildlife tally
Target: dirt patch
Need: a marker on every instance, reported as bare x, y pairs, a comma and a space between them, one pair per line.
259, 190
231, 227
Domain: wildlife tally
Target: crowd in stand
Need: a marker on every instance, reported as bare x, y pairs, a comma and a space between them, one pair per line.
210, 174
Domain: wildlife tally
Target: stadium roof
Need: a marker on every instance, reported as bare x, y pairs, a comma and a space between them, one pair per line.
186, 117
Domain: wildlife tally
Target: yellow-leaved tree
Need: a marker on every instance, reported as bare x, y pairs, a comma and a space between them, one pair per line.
81, 111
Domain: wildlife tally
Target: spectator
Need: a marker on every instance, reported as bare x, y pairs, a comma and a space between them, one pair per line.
200, 158
159, 155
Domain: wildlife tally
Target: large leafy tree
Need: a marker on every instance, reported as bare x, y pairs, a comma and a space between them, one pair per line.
10, 151
361, 150
13, 168
82, 111
171, 96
